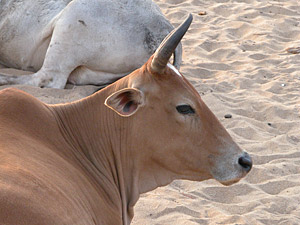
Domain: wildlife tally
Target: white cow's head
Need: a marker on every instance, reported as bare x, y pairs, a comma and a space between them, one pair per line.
173, 134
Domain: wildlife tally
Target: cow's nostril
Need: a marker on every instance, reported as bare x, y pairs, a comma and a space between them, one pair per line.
246, 162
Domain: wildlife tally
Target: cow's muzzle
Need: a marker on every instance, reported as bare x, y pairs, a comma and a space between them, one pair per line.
245, 162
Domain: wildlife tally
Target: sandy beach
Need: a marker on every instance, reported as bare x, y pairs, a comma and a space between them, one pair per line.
236, 56
242, 57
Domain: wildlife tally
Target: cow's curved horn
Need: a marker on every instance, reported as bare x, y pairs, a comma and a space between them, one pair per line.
168, 46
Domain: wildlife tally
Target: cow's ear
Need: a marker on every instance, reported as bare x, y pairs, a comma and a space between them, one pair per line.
125, 102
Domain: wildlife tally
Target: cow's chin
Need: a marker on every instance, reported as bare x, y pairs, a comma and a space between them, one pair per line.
229, 180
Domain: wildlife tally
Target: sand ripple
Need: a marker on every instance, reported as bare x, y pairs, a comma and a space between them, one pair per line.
236, 57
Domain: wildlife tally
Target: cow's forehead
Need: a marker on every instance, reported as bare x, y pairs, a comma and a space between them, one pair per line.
179, 84
171, 83
171, 86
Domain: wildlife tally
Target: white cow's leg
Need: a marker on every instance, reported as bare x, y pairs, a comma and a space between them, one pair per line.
14, 78
58, 65
63, 55
60, 61
84, 76
39, 79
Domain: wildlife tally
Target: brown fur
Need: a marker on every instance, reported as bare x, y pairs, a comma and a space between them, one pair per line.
82, 163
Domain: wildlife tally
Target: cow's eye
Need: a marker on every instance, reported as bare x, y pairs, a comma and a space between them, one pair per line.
185, 109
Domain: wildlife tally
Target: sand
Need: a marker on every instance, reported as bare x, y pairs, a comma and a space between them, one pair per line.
235, 54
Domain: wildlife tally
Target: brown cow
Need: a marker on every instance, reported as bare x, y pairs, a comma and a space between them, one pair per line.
88, 161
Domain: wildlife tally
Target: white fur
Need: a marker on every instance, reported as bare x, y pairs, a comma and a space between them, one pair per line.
174, 69
78, 39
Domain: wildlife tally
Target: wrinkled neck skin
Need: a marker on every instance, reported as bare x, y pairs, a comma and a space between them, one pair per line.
101, 142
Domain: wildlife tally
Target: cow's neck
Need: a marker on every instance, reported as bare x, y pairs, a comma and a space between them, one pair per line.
100, 146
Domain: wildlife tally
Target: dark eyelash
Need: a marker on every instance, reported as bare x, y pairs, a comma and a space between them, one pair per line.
185, 109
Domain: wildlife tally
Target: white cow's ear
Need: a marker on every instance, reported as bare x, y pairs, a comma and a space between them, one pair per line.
125, 102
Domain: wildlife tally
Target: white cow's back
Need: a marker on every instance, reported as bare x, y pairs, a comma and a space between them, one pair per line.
83, 41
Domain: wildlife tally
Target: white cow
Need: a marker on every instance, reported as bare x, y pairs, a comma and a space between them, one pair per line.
80, 41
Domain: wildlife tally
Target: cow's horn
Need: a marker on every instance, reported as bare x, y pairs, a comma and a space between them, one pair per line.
168, 46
